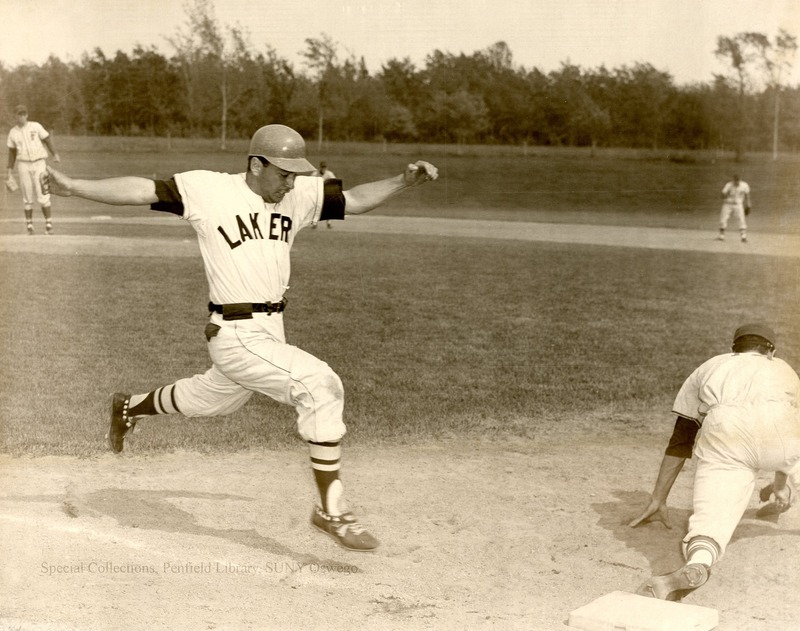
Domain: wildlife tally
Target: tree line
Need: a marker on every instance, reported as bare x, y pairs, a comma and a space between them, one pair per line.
216, 83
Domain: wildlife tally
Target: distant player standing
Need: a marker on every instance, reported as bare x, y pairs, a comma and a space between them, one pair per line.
246, 224
26, 149
736, 201
740, 412
326, 174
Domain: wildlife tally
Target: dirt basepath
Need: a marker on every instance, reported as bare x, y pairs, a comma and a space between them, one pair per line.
619, 236
474, 535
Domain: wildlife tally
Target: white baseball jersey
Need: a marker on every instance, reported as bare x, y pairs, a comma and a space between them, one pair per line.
737, 379
245, 241
27, 140
735, 193
748, 404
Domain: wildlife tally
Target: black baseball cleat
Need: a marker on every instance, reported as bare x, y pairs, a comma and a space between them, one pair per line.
345, 530
121, 423
677, 584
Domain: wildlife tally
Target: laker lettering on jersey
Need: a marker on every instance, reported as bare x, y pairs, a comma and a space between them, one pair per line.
279, 229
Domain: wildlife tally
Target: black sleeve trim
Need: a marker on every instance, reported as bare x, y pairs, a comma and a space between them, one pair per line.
169, 197
332, 200
683, 436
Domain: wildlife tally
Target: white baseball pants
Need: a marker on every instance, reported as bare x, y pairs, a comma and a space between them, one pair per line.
251, 356
30, 182
737, 210
734, 443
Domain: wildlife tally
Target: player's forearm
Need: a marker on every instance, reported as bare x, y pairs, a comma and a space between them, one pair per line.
49, 144
780, 481
667, 474
365, 197
118, 191
12, 159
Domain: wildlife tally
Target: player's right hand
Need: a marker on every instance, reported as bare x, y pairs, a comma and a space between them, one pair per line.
655, 511
59, 183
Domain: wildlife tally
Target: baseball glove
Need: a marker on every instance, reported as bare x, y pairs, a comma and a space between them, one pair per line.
11, 183
747, 210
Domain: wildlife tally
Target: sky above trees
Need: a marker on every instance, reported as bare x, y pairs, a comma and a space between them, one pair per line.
675, 36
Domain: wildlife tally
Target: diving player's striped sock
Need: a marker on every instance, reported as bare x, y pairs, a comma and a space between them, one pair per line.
702, 550
326, 461
159, 401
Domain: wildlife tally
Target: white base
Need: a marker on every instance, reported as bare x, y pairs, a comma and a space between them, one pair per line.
623, 611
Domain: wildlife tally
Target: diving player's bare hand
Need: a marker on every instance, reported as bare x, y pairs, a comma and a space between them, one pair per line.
655, 511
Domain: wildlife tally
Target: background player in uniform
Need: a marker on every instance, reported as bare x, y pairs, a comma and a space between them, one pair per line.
745, 406
736, 201
326, 174
26, 149
246, 224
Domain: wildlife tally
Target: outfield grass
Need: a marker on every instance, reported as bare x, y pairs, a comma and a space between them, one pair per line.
615, 187
434, 338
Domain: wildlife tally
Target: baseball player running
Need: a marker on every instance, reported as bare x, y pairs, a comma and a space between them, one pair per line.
246, 224
736, 201
743, 410
26, 149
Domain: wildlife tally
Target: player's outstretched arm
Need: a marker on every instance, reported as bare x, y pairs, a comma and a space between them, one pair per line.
117, 191
656, 510
365, 197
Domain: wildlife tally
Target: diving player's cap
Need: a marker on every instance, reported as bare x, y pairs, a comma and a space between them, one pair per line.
283, 147
758, 329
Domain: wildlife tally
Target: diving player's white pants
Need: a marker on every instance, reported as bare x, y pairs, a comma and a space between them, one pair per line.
251, 356
734, 443
30, 182
737, 210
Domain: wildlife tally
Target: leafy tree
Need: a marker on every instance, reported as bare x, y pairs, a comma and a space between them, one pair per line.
212, 59
738, 52
776, 61
641, 99
321, 58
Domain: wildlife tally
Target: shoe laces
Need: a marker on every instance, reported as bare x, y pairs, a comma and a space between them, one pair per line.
355, 527
346, 521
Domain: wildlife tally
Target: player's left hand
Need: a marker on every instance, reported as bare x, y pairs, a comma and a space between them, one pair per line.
655, 511
419, 173
781, 500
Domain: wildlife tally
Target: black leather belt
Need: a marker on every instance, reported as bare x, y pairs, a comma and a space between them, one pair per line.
245, 310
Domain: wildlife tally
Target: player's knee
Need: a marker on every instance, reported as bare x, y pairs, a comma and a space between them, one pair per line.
320, 407
332, 386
